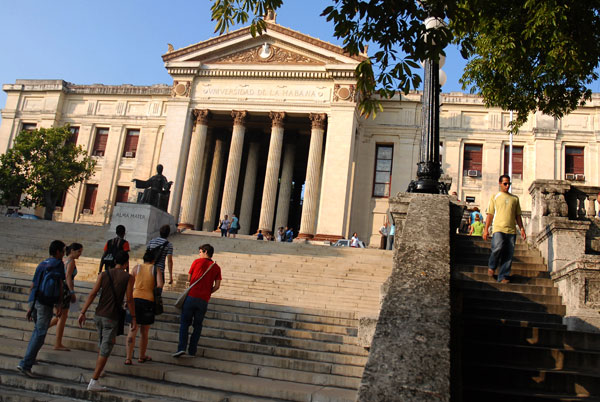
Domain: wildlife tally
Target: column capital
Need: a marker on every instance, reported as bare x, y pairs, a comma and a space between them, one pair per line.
201, 116
318, 120
239, 117
277, 118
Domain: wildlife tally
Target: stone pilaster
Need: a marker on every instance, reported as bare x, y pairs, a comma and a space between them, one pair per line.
249, 188
193, 173
212, 198
232, 175
285, 188
313, 176
267, 208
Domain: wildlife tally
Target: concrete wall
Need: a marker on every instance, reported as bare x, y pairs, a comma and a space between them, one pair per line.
409, 359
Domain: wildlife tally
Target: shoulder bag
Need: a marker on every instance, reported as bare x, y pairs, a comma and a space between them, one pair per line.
181, 299
158, 301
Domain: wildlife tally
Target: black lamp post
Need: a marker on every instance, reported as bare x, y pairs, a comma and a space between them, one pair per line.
429, 168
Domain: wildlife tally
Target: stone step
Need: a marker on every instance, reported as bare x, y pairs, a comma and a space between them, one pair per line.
532, 357
482, 269
19, 388
504, 313
541, 337
528, 306
505, 287
555, 381
470, 321
514, 279
142, 377
330, 317
482, 259
501, 296
501, 393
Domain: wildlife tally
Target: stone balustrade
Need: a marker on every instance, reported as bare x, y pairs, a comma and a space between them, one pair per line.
566, 229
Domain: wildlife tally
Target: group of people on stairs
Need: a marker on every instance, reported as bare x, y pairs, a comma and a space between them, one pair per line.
53, 291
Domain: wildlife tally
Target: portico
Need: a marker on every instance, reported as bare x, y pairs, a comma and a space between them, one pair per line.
254, 139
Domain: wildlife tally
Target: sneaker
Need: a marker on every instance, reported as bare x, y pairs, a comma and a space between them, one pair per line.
25, 372
178, 353
95, 386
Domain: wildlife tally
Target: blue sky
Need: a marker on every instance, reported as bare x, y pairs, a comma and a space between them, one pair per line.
117, 42
121, 42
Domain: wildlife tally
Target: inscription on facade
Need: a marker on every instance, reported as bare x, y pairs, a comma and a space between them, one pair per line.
259, 92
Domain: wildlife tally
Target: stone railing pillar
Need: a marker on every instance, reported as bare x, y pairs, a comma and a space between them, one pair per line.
267, 208
232, 174
313, 177
193, 174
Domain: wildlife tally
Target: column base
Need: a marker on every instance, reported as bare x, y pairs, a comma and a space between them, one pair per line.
326, 237
305, 236
185, 226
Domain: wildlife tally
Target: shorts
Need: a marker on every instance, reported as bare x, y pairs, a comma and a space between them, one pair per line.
233, 231
107, 333
144, 312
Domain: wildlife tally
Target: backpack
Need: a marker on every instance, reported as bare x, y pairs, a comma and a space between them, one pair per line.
113, 247
48, 292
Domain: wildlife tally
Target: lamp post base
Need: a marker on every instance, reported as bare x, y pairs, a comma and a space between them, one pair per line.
428, 186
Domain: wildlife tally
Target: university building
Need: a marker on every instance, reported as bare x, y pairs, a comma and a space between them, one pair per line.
268, 128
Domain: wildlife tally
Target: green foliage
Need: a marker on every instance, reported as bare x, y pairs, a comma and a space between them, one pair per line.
522, 55
41, 165
525, 55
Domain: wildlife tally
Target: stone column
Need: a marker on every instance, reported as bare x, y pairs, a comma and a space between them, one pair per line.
212, 197
249, 188
285, 188
313, 176
232, 175
267, 208
193, 173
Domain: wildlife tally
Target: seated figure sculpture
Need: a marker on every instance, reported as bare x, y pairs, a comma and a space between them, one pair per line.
156, 190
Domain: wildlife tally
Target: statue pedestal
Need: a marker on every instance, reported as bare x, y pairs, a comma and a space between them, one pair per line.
142, 221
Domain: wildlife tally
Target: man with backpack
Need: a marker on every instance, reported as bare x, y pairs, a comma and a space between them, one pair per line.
112, 247
46, 292
165, 253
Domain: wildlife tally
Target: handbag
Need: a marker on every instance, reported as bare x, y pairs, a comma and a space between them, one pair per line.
118, 306
158, 301
181, 299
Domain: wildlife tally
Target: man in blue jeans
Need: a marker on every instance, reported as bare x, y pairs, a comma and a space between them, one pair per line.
504, 210
40, 310
207, 274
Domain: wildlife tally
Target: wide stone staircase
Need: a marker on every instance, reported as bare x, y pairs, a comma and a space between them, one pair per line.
509, 343
283, 326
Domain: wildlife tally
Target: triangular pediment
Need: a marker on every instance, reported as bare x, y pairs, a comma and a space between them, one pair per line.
268, 54
277, 46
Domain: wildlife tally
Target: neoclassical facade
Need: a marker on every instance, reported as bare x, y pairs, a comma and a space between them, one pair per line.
268, 128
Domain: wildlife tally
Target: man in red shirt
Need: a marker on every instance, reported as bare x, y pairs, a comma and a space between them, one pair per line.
208, 274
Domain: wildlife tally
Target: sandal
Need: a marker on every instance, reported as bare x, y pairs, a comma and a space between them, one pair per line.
144, 359
128, 362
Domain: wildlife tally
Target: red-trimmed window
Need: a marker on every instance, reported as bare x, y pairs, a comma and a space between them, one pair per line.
74, 135
122, 194
91, 190
574, 167
100, 142
517, 161
383, 170
472, 160
131, 142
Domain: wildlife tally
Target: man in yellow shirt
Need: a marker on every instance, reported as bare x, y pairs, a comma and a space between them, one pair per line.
504, 210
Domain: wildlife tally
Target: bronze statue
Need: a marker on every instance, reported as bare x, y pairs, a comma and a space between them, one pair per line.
156, 190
